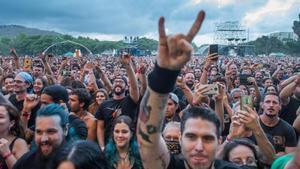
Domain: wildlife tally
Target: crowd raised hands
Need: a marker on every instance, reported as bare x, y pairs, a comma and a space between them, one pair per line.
121, 86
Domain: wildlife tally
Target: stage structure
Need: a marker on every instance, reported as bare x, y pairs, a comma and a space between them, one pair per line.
232, 37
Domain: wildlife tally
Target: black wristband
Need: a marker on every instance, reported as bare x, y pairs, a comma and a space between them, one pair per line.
162, 80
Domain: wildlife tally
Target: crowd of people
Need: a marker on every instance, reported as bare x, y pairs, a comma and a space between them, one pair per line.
171, 111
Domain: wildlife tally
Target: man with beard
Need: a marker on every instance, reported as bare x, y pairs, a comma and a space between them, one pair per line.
259, 78
58, 94
284, 136
50, 132
189, 79
200, 127
290, 98
79, 101
233, 69
120, 104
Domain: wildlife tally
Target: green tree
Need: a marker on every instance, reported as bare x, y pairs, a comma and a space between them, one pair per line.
147, 44
267, 45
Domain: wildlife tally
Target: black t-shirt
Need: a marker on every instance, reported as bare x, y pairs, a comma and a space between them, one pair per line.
254, 140
111, 109
19, 106
34, 160
31, 160
227, 120
288, 112
177, 162
283, 135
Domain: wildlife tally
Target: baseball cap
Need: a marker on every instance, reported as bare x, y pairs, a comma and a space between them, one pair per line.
174, 97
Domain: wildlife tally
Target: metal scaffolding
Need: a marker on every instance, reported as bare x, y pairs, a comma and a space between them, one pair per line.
230, 33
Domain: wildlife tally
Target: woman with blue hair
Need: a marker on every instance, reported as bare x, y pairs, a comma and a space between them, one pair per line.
122, 149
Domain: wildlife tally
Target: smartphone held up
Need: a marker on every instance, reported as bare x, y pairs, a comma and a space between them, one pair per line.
213, 49
246, 101
213, 89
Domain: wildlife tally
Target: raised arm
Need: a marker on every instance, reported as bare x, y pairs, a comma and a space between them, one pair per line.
287, 81
185, 89
48, 72
174, 53
288, 90
47, 67
296, 123
16, 57
104, 78
254, 83
208, 62
143, 79
251, 120
219, 106
274, 75
133, 87
60, 70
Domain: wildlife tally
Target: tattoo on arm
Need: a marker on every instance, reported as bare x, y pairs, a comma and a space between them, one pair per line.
151, 129
144, 135
145, 109
163, 163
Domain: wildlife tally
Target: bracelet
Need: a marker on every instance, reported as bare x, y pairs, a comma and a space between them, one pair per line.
162, 80
7, 155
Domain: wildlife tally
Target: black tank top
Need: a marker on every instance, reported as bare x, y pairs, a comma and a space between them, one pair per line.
2, 161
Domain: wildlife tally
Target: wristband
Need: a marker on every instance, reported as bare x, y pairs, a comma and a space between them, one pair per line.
7, 155
162, 80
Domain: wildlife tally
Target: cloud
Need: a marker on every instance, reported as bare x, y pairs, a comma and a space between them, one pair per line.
112, 19
272, 14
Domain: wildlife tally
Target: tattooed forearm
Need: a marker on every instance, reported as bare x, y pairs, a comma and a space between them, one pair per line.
144, 136
162, 161
151, 129
145, 109
151, 115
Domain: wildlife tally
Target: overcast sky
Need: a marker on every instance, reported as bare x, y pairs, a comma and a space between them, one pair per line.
113, 19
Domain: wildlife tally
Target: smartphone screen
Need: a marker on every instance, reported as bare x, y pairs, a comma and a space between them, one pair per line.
246, 100
213, 48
